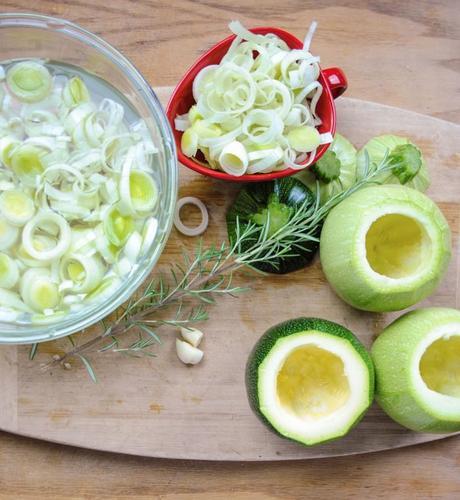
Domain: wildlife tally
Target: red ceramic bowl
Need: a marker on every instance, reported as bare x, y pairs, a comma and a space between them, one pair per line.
333, 81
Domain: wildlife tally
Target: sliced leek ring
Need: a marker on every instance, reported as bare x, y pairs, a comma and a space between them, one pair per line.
148, 234
77, 114
108, 250
304, 139
74, 213
105, 289
47, 319
194, 115
40, 242
138, 192
123, 266
117, 227
83, 239
12, 300
38, 290
63, 241
234, 159
9, 273
85, 272
189, 142
7, 146
75, 92
8, 234
26, 163
187, 230
133, 247
29, 81
16, 207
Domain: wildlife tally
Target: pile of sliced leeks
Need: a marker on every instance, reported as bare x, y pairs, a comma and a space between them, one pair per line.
255, 111
77, 194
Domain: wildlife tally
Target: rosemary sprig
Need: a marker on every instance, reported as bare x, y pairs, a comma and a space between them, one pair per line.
203, 277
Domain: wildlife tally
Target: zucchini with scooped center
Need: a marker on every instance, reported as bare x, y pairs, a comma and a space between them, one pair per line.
310, 380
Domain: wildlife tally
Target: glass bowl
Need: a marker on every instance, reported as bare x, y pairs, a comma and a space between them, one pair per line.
36, 36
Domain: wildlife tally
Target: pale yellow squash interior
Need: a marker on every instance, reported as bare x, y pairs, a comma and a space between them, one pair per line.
312, 382
440, 366
397, 246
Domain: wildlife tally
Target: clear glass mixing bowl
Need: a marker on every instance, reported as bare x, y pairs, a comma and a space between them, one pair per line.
29, 36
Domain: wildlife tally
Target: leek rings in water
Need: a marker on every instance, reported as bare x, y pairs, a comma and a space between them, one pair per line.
7, 145
78, 190
9, 273
105, 247
12, 301
117, 227
57, 222
29, 81
8, 234
85, 272
75, 92
26, 162
16, 207
148, 234
38, 290
138, 192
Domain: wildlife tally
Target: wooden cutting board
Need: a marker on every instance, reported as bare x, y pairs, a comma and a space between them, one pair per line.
158, 407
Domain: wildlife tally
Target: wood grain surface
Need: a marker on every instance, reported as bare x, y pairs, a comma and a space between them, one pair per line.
400, 53
159, 407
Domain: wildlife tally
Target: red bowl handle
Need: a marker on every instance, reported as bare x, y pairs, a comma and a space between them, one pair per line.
337, 81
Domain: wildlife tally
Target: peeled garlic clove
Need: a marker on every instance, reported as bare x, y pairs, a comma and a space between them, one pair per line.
187, 353
192, 336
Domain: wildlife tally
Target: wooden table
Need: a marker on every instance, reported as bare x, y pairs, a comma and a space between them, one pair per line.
399, 53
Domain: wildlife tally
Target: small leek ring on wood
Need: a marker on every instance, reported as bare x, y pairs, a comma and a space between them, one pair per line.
191, 231
29, 81
63, 241
273, 203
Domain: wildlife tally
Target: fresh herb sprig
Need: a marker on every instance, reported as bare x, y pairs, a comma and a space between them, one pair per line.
202, 277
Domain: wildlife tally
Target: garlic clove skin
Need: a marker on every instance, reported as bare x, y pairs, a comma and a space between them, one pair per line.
192, 336
187, 353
